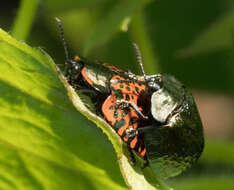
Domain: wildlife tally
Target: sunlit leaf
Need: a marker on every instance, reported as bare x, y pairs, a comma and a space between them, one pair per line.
45, 143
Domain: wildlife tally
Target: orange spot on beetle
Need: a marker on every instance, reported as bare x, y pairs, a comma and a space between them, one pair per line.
133, 142
84, 74
77, 58
125, 139
122, 129
143, 153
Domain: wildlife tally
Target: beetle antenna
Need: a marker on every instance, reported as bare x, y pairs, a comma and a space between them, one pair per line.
139, 58
62, 37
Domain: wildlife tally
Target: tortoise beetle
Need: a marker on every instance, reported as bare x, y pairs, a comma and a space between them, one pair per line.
177, 142
154, 114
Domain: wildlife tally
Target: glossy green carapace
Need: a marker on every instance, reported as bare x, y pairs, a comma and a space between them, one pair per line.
178, 143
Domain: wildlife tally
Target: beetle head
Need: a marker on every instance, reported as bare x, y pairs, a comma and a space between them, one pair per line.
167, 99
154, 82
72, 67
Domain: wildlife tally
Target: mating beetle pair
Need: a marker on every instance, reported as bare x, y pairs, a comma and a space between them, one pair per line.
154, 114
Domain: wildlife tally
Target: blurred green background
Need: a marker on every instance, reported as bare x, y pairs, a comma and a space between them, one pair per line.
192, 40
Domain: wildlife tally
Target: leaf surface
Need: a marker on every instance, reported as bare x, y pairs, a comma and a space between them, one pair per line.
45, 143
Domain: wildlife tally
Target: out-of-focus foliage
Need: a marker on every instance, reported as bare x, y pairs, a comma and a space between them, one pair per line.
190, 39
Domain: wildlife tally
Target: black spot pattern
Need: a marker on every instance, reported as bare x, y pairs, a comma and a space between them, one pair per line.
118, 94
137, 89
127, 88
111, 107
133, 120
127, 97
123, 114
119, 124
116, 113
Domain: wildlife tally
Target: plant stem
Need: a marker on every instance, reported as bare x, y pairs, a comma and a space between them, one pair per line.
140, 36
24, 19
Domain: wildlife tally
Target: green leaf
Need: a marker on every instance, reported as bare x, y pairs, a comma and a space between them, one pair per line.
112, 22
45, 143
218, 36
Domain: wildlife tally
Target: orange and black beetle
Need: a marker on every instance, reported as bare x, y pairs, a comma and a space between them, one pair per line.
154, 114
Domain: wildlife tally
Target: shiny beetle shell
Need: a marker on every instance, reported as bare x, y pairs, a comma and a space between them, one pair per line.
179, 142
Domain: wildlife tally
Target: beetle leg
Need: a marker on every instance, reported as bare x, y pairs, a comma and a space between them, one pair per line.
126, 104
131, 132
132, 157
122, 104
134, 106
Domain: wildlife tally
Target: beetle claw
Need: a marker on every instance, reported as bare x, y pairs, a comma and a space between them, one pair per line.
131, 132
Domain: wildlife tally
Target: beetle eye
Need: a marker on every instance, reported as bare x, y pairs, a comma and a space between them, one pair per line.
74, 65
155, 83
